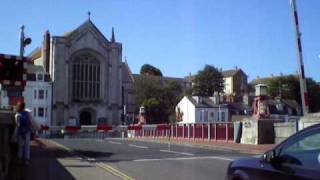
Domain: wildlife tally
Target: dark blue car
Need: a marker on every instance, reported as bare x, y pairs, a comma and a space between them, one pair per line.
298, 157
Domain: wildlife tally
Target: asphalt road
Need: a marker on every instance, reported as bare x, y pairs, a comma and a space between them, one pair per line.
146, 160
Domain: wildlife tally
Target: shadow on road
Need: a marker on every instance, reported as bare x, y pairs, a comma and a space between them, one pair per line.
43, 165
94, 154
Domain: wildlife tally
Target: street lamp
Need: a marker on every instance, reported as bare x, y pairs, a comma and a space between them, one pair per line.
23, 41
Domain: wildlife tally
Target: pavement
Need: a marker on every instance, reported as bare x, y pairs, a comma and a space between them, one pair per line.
50, 161
115, 158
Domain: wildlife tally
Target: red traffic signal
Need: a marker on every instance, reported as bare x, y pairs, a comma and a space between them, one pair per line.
11, 70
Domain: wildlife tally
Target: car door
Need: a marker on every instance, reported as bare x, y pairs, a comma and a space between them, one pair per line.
299, 158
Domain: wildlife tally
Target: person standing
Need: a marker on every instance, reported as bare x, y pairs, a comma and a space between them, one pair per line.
23, 132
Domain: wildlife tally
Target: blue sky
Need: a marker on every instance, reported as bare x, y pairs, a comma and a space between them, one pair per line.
180, 36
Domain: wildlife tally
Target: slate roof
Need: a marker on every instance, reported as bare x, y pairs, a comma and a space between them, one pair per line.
205, 103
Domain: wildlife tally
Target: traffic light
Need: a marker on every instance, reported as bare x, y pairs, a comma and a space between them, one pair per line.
11, 69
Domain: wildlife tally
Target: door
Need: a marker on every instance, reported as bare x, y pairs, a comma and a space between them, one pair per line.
85, 118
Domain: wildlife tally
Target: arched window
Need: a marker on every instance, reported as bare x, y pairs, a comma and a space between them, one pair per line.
85, 78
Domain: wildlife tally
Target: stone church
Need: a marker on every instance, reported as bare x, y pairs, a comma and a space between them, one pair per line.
90, 82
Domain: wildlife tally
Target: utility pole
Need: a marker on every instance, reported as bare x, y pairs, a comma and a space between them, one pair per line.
303, 86
23, 41
21, 52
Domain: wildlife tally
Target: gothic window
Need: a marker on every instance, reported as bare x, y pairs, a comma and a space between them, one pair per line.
85, 78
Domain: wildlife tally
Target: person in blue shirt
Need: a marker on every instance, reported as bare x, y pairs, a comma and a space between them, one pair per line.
23, 132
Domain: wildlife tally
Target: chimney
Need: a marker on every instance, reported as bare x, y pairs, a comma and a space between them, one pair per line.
46, 50
198, 99
215, 98
236, 67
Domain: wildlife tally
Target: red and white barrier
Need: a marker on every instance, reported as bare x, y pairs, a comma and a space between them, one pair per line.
209, 131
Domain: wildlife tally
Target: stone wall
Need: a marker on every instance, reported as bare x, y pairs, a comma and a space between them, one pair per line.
283, 130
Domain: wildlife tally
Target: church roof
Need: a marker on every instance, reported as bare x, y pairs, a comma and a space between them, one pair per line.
126, 73
86, 23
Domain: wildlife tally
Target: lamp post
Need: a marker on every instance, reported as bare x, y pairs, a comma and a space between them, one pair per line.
23, 41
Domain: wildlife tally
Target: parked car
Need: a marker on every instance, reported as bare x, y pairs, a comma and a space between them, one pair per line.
298, 157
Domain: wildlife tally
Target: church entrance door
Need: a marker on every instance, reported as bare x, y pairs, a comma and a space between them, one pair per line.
85, 118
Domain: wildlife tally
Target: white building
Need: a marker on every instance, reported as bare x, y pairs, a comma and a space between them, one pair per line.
197, 109
38, 94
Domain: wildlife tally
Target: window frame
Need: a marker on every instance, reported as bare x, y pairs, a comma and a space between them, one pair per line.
41, 95
40, 75
41, 109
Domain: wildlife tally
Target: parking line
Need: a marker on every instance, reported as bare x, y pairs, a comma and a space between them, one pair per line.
113, 142
114, 171
175, 152
142, 147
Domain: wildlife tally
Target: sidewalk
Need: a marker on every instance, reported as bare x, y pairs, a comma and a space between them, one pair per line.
51, 162
243, 148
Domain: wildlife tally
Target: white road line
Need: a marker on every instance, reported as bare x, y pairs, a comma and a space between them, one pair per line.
142, 147
185, 158
175, 152
113, 142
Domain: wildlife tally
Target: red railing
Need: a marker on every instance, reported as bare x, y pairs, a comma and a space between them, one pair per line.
202, 132
199, 132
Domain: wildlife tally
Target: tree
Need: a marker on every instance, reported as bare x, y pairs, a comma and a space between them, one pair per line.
148, 69
158, 100
208, 81
288, 87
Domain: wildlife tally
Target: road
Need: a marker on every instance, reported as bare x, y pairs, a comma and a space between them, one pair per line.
130, 159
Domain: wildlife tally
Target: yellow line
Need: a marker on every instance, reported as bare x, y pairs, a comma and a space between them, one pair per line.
59, 145
128, 177
114, 171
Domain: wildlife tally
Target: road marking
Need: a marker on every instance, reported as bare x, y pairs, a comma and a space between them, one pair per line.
142, 147
175, 152
114, 171
113, 142
185, 158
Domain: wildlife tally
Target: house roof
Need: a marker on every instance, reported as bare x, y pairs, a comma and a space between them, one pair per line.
36, 53
204, 103
232, 72
239, 106
289, 103
32, 69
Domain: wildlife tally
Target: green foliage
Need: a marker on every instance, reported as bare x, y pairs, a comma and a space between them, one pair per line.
159, 100
288, 87
208, 81
148, 69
